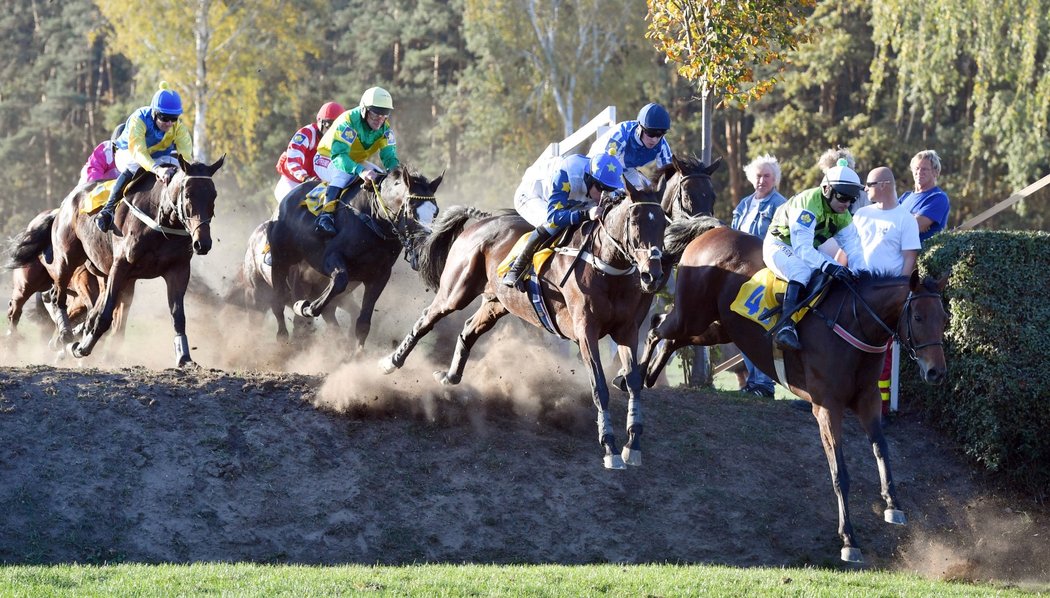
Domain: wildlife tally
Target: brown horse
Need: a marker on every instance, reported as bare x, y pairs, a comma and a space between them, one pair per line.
688, 190
605, 283
830, 372
376, 226
159, 229
28, 261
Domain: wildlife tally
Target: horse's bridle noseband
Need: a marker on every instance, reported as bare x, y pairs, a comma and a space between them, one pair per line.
399, 221
628, 252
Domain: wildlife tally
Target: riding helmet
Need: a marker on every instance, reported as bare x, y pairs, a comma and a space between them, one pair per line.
654, 117
842, 179
329, 111
607, 171
377, 100
166, 101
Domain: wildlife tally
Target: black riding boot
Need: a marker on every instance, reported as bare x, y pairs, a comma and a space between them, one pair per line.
521, 263
104, 218
325, 223
787, 337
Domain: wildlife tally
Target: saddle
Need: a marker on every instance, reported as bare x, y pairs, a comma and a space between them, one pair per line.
760, 298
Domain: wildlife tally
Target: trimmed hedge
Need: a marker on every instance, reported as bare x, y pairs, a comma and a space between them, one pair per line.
996, 401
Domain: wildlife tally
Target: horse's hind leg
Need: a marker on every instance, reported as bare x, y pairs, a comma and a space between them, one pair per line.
482, 321
869, 412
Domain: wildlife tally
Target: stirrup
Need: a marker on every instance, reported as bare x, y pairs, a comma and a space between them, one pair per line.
787, 338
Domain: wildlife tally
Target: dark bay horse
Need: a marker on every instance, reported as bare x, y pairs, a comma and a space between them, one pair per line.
830, 372
32, 275
159, 229
373, 228
601, 296
688, 190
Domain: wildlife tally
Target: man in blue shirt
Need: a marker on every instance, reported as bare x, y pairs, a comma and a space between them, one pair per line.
928, 202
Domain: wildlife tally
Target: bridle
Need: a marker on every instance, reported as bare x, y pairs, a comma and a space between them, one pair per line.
177, 207
401, 219
629, 250
679, 194
907, 341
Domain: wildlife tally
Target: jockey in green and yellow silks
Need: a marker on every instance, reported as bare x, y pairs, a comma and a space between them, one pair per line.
151, 138
344, 151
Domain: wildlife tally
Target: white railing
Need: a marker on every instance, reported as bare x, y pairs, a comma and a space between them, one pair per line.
596, 126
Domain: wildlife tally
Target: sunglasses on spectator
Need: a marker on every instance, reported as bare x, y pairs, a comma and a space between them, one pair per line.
654, 133
167, 118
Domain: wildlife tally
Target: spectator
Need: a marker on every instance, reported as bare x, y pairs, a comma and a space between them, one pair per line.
928, 203
753, 215
889, 240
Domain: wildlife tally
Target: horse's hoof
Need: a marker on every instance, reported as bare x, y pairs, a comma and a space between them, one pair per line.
614, 462
895, 516
386, 365
851, 555
620, 382
444, 379
74, 350
631, 457
302, 308
188, 364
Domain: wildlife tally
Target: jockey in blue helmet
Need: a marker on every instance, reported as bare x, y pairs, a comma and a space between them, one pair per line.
562, 197
638, 143
151, 138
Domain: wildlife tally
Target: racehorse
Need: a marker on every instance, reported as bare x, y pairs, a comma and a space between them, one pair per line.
31, 276
374, 228
159, 229
253, 287
844, 339
603, 283
688, 190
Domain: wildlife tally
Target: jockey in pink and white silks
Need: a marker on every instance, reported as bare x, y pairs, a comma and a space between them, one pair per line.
561, 197
638, 143
151, 138
801, 225
296, 164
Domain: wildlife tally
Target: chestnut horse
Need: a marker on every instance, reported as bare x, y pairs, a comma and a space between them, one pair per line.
158, 230
31, 275
591, 290
377, 225
843, 342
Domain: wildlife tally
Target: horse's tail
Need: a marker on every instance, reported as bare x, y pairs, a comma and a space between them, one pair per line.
30, 244
435, 248
680, 232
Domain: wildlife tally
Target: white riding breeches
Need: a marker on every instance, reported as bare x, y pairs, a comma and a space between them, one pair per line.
125, 162
781, 259
530, 203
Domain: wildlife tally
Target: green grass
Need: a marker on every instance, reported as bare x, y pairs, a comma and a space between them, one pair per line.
471, 580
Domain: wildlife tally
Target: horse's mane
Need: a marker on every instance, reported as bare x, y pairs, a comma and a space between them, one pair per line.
688, 164
680, 232
434, 251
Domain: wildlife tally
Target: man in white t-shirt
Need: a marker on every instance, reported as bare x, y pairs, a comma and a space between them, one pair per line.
889, 238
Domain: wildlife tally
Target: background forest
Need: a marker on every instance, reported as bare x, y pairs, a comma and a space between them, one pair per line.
481, 87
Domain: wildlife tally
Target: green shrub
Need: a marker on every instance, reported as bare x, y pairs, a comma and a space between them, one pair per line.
996, 402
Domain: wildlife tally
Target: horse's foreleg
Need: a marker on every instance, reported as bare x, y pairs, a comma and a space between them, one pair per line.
363, 325
830, 423
443, 304
600, 395
632, 449
482, 321
176, 281
870, 414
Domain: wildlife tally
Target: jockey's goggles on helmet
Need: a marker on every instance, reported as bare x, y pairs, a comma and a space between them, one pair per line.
167, 118
654, 133
379, 111
842, 197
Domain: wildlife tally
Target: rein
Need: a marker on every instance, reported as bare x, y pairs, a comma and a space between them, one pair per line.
178, 206
907, 343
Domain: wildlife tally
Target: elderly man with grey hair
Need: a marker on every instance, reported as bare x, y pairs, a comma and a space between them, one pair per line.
753, 215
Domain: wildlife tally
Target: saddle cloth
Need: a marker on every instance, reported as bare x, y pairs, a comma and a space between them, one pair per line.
97, 197
314, 201
538, 259
759, 295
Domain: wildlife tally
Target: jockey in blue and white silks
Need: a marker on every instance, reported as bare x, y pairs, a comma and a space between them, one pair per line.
638, 143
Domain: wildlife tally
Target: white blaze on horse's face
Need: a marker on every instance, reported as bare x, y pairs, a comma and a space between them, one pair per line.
426, 212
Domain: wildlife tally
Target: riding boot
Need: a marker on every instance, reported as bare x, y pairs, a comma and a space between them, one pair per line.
325, 223
787, 336
521, 263
104, 218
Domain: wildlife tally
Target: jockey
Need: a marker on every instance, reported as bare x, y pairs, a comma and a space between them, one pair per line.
352, 139
296, 164
101, 164
561, 198
637, 143
151, 137
801, 225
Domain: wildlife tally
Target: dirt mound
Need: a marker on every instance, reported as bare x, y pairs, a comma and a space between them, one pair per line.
171, 466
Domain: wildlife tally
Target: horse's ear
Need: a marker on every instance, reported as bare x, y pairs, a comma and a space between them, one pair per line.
404, 175
942, 282
913, 280
434, 183
216, 165
183, 164
714, 166
631, 189
676, 163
